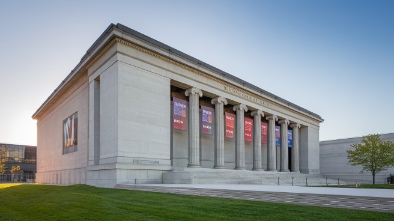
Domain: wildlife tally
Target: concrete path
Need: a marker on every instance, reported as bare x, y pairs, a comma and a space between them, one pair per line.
350, 198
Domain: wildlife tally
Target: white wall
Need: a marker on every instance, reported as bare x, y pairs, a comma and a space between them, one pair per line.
309, 150
109, 114
144, 115
54, 167
334, 163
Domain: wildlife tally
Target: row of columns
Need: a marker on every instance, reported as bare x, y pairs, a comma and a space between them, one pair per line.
194, 95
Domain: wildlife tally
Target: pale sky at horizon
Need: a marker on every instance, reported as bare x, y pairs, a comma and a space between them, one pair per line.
334, 58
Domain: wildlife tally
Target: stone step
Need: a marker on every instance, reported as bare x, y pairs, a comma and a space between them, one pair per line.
381, 204
210, 176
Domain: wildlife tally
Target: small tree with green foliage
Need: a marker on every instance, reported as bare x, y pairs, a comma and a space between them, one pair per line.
2, 160
373, 154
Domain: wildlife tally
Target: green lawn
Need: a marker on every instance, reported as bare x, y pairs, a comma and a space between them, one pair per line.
81, 202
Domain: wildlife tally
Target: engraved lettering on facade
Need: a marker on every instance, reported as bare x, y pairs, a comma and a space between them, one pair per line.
225, 84
249, 97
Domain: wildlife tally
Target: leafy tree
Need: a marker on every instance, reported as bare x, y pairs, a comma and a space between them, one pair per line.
373, 154
2, 160
15, 169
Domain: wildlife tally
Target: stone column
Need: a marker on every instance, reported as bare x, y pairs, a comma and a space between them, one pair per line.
295, 155
194, 126
239, 137
257, 114
284, 151
271, 147
219, 131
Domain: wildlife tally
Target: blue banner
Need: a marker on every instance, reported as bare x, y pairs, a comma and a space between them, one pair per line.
290, 138
277, 135
179, 115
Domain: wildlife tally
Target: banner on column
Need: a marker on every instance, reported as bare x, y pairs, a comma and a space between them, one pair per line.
229, 125
206, 119
248, 129
277, 135
264, 129
290, 138
179, 114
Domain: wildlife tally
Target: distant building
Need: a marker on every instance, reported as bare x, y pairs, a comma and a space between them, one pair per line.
137, 109
334, 163
23, 156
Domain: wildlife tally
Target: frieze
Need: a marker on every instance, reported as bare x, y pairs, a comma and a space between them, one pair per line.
249, 97
226, 86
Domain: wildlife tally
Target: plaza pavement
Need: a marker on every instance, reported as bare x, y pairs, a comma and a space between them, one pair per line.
350, 198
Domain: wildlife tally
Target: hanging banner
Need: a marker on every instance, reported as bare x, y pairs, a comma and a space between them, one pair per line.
70, 129
230, 118
290, 138
179, 114
248, 129
206, 120
264, 134
70, 134
277, 135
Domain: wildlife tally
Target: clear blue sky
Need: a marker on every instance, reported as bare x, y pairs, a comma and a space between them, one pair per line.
334, 58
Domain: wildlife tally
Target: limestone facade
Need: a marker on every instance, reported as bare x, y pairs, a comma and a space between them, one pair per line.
334, 163
123, 91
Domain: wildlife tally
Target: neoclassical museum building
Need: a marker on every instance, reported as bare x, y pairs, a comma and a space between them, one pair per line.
137, 110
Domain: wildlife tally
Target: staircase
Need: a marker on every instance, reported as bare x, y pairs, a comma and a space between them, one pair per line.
224, 176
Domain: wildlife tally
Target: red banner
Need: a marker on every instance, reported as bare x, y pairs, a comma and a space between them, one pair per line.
264, 129
179, 114
248, 129
230, 118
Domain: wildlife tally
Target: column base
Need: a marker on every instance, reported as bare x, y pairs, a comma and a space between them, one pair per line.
258, 169
272, 170
295, 171
240, 168
285, 170
219, 167
310, 171
193, 166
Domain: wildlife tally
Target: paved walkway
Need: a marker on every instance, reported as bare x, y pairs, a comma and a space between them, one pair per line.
351, 198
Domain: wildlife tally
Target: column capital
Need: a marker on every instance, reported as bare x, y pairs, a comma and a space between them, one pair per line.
257, 113
219, 100
284, 121
241, 107
193, 90
295, 125
272, 117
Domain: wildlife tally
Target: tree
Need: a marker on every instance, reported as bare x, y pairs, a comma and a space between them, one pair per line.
2, 160
15, 169
373, 154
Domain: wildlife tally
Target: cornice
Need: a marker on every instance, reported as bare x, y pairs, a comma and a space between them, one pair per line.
267, 103
111, 43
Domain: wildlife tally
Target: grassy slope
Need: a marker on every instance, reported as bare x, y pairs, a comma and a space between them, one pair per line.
80, 202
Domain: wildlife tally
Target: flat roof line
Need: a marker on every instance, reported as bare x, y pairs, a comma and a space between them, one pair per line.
179, 54
17, 145
208, 66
